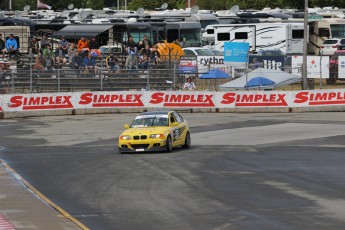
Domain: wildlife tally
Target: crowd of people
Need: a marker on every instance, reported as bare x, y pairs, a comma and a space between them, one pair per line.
83, 55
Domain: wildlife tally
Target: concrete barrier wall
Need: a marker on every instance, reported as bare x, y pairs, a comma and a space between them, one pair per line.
47, 104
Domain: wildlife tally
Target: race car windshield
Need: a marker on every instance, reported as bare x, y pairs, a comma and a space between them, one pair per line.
150, 121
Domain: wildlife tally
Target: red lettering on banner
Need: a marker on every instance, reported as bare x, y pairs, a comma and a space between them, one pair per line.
182, 100
324, 98
272, 99
111, 100
41, 102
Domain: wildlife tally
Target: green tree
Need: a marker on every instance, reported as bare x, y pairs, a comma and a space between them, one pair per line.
152, 4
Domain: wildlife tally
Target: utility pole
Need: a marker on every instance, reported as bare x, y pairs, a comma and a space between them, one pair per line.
305, 48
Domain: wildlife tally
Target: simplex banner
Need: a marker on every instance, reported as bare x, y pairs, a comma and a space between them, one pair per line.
170, 100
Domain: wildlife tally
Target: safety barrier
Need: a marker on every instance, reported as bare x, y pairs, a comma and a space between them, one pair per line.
40, 104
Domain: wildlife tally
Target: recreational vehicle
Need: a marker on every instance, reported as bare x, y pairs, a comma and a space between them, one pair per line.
320, 30
287, 37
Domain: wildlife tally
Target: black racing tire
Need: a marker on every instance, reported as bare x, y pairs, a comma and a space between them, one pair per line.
168, 144
187, 141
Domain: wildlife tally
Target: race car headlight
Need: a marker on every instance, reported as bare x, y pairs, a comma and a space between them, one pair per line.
125, 137
157, 136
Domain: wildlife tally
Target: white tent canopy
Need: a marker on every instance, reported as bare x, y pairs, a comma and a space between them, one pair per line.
280, 78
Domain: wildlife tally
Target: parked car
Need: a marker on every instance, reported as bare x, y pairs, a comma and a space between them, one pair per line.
329, 46
270, 53
197, 51
117, 49
333, 66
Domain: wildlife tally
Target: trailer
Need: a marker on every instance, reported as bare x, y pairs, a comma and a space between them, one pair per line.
287, 37
320, 30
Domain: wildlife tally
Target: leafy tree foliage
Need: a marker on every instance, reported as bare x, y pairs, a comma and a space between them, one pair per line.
152, 4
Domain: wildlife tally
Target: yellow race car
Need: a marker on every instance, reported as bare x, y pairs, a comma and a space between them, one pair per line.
155, 131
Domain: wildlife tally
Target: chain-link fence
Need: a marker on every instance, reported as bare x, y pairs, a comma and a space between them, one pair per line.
23, 76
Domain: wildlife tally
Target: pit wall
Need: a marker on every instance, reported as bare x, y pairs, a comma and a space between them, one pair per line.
44, 104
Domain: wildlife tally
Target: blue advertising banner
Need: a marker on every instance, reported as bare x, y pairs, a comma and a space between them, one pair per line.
236, 52
187, 67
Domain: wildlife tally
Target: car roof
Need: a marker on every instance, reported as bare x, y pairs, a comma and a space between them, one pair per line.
194, 48
155, 112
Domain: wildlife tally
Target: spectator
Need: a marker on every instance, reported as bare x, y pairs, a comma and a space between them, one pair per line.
60, 54
189, 85
140, 46
93, 45
38, 63
77, 62
90, 63
64, 45
132, 61
146, 51
48, 57
11, 46
155, 55
143, 62
34, 45
71, 52
2, 47
177, 42
146, 41
83, 46
131, 45
44, 42
112, 63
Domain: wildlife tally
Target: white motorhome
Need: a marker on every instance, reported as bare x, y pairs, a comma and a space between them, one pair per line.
320, 30
287, 37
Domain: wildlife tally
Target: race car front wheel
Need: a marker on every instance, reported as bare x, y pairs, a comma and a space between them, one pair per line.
168, 144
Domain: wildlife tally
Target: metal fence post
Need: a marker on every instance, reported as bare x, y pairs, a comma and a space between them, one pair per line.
59, 73
321, 53
12, 81
102, 72
174, 85
148, 79
30, 70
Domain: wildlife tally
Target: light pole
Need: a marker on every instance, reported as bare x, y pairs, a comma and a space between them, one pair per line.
305, 48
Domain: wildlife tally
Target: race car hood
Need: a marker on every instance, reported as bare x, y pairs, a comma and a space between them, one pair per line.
146, 130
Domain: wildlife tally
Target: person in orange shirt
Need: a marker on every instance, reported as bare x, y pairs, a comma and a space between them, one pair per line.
83, 46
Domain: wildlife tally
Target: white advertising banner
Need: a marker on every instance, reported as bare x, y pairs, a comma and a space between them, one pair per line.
171, 100
313, 65
211, 62
341, 67
36, 102
318, 98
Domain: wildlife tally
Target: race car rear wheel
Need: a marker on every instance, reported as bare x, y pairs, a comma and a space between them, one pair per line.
187, 141
168, 144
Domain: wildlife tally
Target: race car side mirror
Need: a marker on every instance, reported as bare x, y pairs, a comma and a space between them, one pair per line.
126, 126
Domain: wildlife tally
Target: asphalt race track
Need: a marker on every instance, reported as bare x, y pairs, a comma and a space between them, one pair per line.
244, 171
